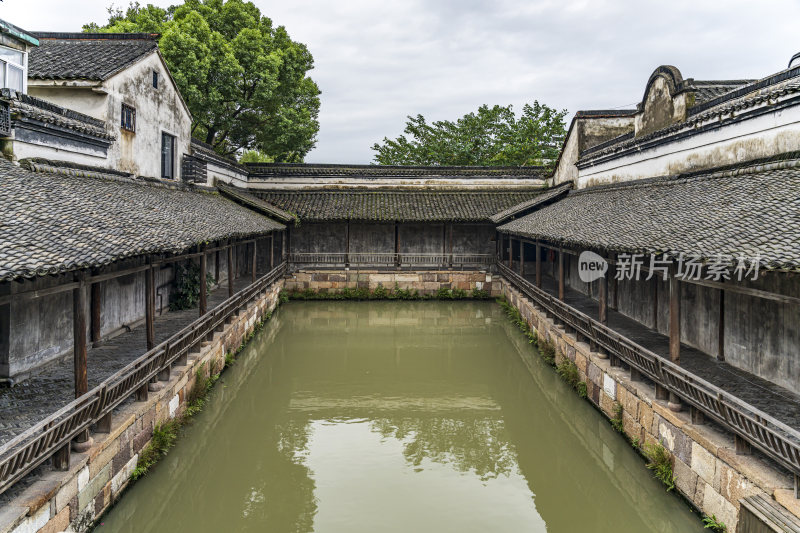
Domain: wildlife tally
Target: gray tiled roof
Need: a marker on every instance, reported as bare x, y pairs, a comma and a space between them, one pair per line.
705, 90
546, 196
248, 200
291, 170
25, 106
86, 56
394, 205
57, 223
752, 212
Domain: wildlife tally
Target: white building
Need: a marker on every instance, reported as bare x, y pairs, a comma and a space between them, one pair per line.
121, 80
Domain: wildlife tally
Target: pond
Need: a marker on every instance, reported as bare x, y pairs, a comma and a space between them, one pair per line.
397, 416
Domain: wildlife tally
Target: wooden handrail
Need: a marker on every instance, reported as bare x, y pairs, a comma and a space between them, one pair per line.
35, 445
773, 437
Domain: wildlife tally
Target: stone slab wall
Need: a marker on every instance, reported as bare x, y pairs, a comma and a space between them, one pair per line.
76, 498
708, 472
426, 282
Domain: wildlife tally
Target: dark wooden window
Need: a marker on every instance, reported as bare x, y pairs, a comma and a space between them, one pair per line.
167, 156
155, 79
128, 118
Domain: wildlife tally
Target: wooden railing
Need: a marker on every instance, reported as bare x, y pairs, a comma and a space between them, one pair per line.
391, 259
776, 439
55, 433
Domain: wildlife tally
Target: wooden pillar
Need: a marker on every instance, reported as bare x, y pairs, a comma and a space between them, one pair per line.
602, 298
271, 250
522, 258
254, 266
283, 245
149, 308
654, 300
721, 345
450, 243
510, 252
95, 305
561, 274
613, 281
79, 337
288, 243
203, 285
216, 267
230, 270
538, 264
396, 244
674, 331
347, 245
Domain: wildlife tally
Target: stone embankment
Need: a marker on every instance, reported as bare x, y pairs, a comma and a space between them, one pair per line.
426, 282
708, 471
76, 498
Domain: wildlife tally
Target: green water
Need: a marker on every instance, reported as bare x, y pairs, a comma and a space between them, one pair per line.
397, 416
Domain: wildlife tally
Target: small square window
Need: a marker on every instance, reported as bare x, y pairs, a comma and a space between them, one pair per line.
128, 121
155, 79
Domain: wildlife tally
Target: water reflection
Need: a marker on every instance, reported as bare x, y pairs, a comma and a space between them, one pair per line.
389, 416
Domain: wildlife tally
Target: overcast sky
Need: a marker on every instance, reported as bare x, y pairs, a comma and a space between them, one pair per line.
379, 61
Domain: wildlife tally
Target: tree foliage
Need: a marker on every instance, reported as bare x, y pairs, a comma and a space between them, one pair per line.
490, 136
244, 80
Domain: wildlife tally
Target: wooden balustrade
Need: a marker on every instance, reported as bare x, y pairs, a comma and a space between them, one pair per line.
392, 259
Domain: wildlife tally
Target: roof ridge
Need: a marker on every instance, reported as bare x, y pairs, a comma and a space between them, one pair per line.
786, 160
97, 36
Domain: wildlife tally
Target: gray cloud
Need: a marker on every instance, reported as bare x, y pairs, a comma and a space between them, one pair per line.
377, 62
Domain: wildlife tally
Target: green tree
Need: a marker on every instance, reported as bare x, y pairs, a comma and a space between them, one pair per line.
244, 80
490, 136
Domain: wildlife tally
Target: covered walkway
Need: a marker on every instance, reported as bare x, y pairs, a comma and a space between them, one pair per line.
772, 399
35, 399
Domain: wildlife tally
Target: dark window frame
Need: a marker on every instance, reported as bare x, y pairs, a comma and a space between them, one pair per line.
128, 118
167, 166
155, 79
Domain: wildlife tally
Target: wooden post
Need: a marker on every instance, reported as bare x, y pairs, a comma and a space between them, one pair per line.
510, 252
396, 244
216, 267
61, 458
674, 331
654, 300
230, 270
721, 345
283, 245
347, 245
522, 258
271, 250
149, 308
538, 264
95, 305
450, 245
561, 274
253, 266
203, 285
602, 298
741, 446
444, 244
613, 281
82, 442
79, 337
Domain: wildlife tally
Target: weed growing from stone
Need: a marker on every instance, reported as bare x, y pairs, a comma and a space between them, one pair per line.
569, 373
164, 436
711, 522
660, 462
616, 421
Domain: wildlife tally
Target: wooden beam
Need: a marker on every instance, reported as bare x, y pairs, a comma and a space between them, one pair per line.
721, 341
538, 264
203, 307
79, 338
149, 308
561, 274
95, 304
216, 267
230, 271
